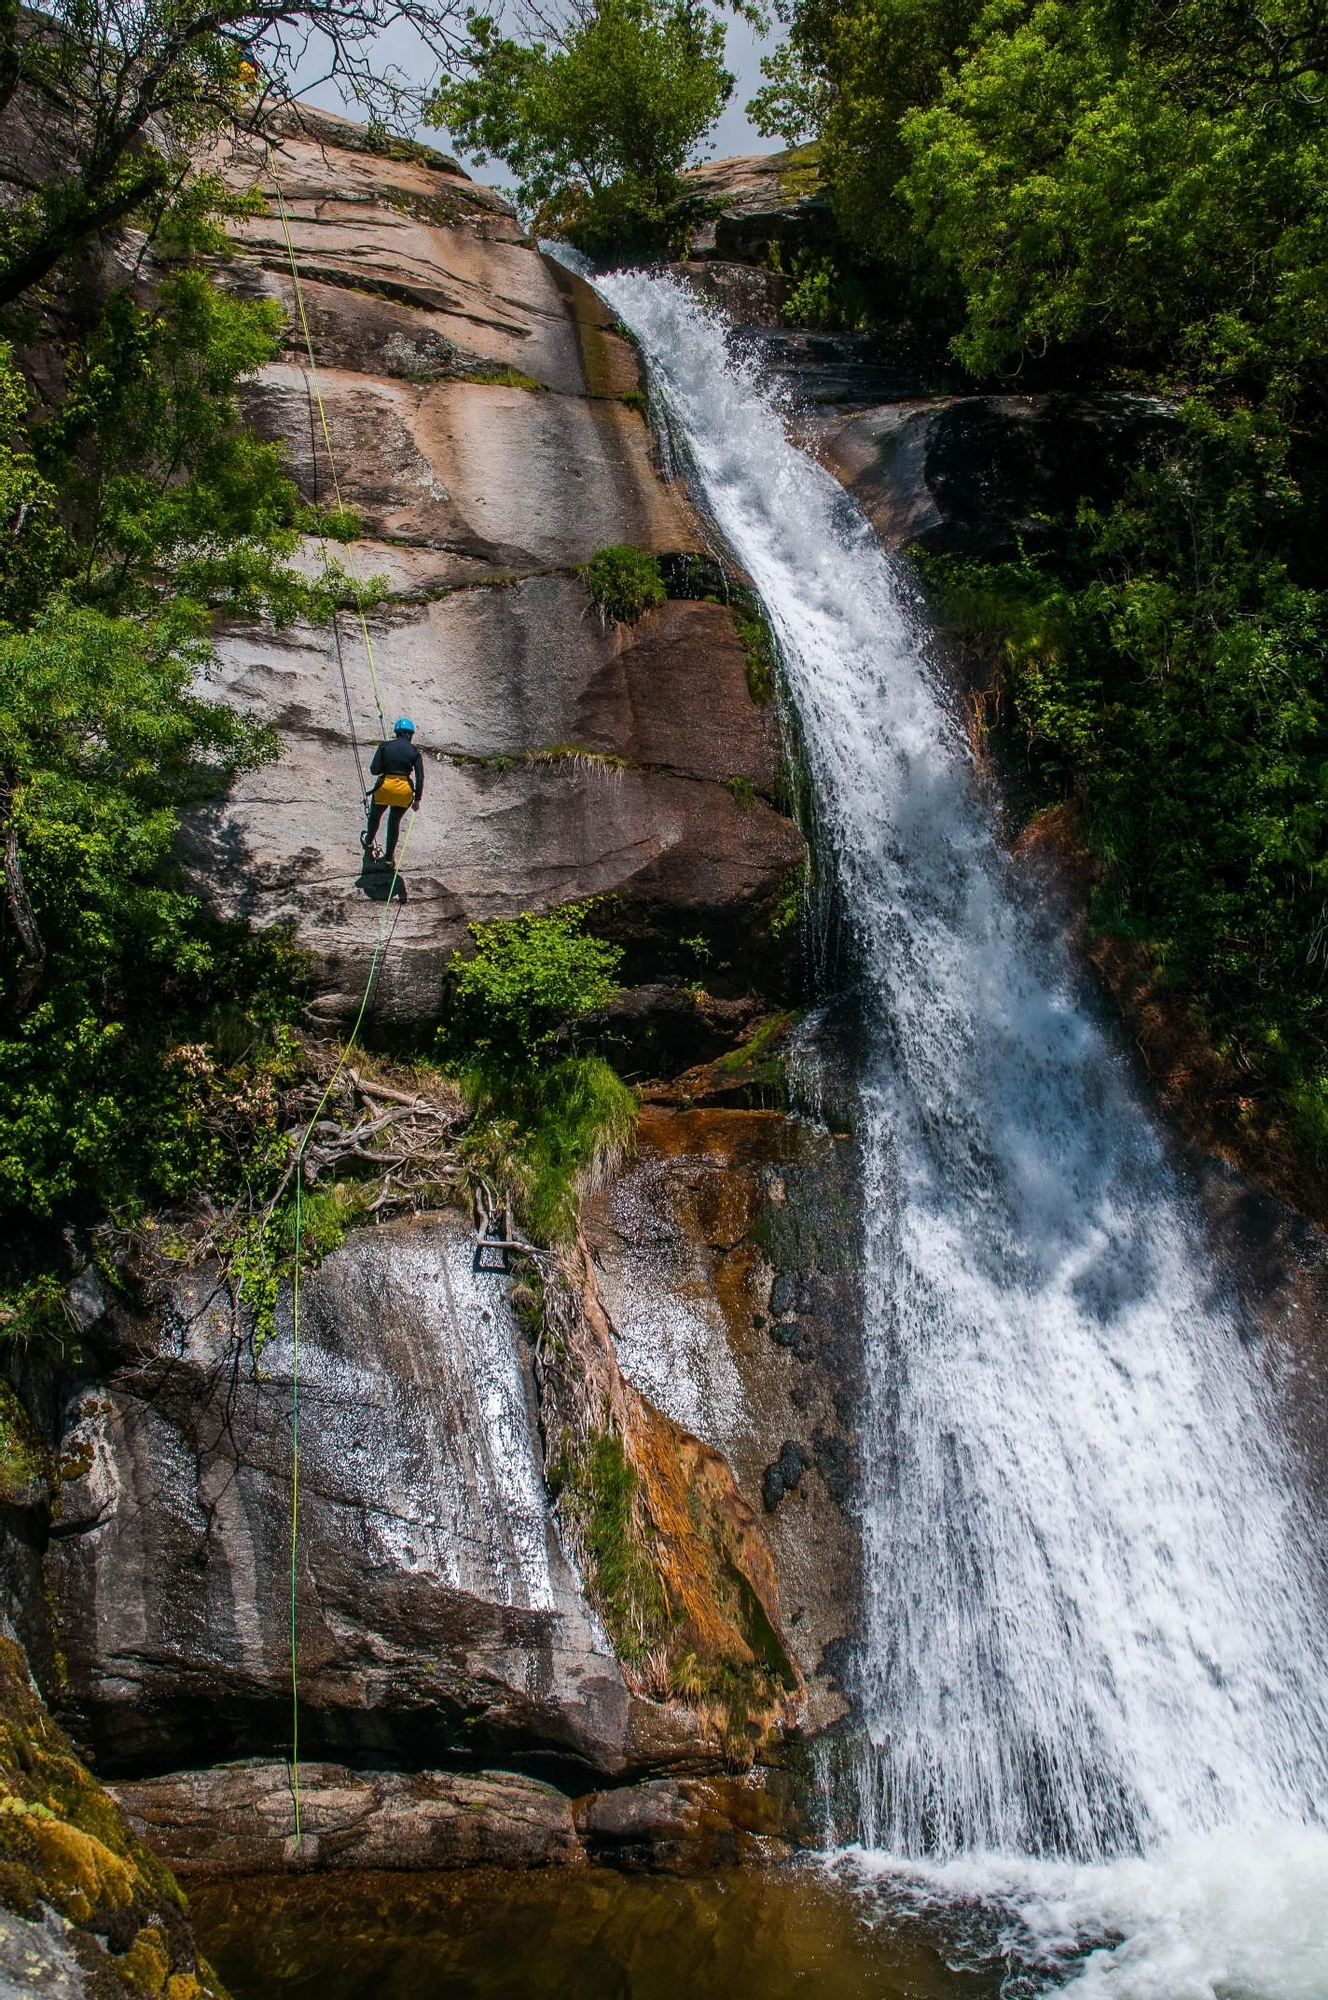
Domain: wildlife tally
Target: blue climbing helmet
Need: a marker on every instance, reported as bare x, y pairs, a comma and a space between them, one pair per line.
403, 726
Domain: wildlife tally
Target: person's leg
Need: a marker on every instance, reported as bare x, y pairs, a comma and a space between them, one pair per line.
395, 815
370, 835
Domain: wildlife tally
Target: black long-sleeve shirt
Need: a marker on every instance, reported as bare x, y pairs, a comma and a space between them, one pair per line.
398, 758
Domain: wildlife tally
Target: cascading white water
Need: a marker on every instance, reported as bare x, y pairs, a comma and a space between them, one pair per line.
1089, 1630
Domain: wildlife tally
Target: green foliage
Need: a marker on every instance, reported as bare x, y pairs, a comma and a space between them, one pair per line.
793, 101
23, 1462
743, 792
597, 1489
824, 296
102, 742
544, 1134
547, 1119
757, 642
527, 984
790, 901
1166, 669
596, 124
852, 72
160, 487
624, 581
1092, 172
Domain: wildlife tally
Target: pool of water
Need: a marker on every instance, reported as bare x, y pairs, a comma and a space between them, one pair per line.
572, 1934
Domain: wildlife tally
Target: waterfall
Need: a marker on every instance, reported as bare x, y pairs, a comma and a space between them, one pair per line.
1090, 1632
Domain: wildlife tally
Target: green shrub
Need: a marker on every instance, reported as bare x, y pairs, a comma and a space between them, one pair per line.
596, 122
624, 581
529, 981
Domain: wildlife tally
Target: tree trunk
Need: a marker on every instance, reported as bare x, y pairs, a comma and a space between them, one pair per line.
30, 938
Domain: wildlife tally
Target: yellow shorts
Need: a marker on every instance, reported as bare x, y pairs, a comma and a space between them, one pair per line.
393, 792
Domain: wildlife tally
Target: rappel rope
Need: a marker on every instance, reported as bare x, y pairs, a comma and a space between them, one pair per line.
386, 930
327, 435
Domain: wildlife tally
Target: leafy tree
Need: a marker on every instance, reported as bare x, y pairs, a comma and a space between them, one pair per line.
595, 123
103, 739
133, 510
1084, 176
849, 74
107, 103
143, 482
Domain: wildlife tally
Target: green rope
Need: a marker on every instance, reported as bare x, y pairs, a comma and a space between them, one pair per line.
380, 946
393, 909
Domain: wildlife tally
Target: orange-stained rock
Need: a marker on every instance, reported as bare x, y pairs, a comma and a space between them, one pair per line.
728, 1261
720, 1652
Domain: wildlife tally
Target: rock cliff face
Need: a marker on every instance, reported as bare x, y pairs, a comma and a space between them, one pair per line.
727, 1261
437, 1614
486, 425
929, 465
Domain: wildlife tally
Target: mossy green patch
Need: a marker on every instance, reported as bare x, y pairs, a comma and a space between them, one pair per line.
505, 378
760, 1059
598, 1487
65, 1846
24, 1464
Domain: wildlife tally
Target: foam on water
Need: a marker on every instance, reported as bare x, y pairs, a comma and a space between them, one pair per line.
1091, 1634
1219, 1916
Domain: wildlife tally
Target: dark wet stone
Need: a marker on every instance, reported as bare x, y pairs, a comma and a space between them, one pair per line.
835, 1463
794, 1460
783, 1293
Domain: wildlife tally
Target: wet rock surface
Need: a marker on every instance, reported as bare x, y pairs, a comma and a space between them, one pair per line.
239, 1819
727, 1262
691, 1826
970, 474
437, 1614
486, 425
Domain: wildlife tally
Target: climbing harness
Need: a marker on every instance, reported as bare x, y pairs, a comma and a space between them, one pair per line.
386, 932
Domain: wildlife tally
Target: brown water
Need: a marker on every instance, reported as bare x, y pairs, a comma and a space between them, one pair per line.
568, 1934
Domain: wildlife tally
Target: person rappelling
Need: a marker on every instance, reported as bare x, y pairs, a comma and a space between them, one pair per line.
399, 769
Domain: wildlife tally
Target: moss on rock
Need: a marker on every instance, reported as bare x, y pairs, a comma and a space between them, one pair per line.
24, 1471
65, 1847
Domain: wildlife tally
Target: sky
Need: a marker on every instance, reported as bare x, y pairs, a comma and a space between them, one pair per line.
733, 134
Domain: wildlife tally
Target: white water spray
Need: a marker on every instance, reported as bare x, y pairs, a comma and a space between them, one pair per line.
1089, 1632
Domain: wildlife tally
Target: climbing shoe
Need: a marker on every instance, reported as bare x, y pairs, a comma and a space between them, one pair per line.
370, 847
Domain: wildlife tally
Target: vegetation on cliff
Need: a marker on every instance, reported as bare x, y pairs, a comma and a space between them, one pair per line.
1133, 196
596, 117
549, 1116
138, 507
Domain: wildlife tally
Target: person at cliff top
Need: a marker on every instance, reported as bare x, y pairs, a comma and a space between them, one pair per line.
399, 769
